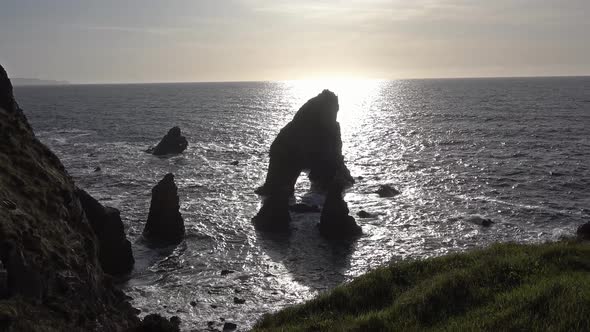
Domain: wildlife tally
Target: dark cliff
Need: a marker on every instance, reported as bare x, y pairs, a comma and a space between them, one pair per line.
52, 280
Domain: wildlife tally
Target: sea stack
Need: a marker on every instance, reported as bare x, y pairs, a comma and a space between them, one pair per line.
114, 250
165, 225
172, 143
311, 141
335, 221
274, 214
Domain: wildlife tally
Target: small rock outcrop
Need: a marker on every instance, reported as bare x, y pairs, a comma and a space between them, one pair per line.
165, 225
365, 214
387, 190
311, 141
48, 251
584, 231
172, 143
114, 250
335, 221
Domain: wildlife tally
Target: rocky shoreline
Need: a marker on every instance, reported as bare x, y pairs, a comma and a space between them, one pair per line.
52, 278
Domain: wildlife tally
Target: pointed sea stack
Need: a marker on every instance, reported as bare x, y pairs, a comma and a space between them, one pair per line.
310, 141
172, 143
114, 250
335, 223
164, 225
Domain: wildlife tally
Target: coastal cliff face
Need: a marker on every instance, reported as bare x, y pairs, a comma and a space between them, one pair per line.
50, 277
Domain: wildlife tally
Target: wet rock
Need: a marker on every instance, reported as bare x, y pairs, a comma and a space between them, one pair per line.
164, 225
234, 163
114, 250
274, 213
364, 214
584, 231
226, 272
157, 323
335, 223
479, 220
229, 326
237, 300
310, 141
97, 169
193, 303
172, 143
214, 306
304, 208
387, 190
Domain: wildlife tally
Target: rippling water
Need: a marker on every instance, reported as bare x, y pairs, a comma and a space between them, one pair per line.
513, 150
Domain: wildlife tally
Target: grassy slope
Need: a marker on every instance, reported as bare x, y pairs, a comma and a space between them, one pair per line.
504, 287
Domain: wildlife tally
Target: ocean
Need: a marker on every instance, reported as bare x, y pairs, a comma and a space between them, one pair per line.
516, 151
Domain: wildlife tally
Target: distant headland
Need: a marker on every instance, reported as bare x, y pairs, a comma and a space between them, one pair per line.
36, 81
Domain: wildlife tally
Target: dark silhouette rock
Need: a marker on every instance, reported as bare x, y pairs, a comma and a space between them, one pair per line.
584, 231
304, 208
193, 303
97, 169
335, 223
157, 323
237, 300
48, 251
172, 143
387, 190
310, 141
274, 213
226, 272
234, 163
114, 250
479, 220
229, 326
364, 214
164, 225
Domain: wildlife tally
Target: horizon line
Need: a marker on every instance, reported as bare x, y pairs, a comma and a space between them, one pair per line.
296, 80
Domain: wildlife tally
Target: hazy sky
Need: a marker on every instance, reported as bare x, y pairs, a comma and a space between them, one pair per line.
216, 40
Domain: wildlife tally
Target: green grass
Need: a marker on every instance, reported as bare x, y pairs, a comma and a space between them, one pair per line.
506, 287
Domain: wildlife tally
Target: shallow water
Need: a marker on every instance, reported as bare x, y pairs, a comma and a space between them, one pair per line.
513, 150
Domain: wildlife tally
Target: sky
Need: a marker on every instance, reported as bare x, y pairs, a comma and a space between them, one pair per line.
118, 41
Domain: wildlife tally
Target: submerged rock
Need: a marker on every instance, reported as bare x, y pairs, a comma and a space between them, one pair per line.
479, 220
584, 231
274, 213
310, 141
172, 143
387, 190
364, 214
229, 326
53, 279
164, 225
335, 223
114, 250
